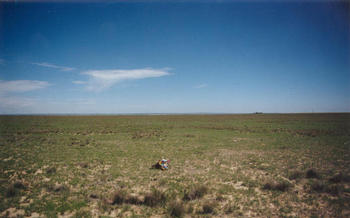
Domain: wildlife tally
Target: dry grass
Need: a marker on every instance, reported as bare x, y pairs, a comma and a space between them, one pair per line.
277, 186
176, 209
295, 174
195, 192
155, 198
208, 208
312, 173
219, 165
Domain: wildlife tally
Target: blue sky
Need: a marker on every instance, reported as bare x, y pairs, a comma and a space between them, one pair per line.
174, 57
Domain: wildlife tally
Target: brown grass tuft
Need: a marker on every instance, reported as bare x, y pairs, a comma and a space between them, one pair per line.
208, 207
131, 199
295, 175
11, 191
155, 198
51, 170
340, 177
318, 186
19, 185
195, 193
279, 186
312, 173
83, 165
176, 209
119, 197
334, 189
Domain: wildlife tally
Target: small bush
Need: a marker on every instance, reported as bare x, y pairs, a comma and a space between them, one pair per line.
220, 197
93, 195
318, 186
83, 165
131, 199
19, 185
11, 191
189, 209
230, 208
280, 186
176, 209
51, 170
340, 177
119, 197
295, 175
195, 193
334, 189
208, 208
311, 173
155, 198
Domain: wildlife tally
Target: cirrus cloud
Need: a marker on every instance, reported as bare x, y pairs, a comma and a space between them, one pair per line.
103, 79
44, 64
202, 85
21, 85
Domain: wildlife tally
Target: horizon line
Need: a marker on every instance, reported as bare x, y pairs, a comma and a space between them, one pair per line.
155, 114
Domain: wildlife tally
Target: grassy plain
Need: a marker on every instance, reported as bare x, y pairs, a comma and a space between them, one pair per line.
257, 165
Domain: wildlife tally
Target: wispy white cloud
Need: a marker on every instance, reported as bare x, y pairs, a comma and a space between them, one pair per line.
21, 85
15, 102
202, 85
44, 64
79, 82
102, 79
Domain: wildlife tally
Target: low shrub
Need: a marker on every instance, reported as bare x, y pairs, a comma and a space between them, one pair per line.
176, 209
155, 198
195, 193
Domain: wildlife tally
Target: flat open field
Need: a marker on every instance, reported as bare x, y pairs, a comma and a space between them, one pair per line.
258, 165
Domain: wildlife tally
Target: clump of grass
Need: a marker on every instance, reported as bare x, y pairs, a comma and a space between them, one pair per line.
208, 208
82, 214
322, 187
60, 188
334, 189
277, 186
83, 165
176, 209
195, 193
56, 188
155, 198
51, 170
189, 209
119, 197
93, 195
312, 173
318, 186
19, 185
131, 199
230, 208
219, 197
296, 174
340, 177
11, 191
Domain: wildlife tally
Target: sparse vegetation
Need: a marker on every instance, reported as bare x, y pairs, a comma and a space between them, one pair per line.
155, 198
295, 174
208, 207
176, 209
262, 165
312, 173
277, 186
11, 191
195, 192
119, 197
